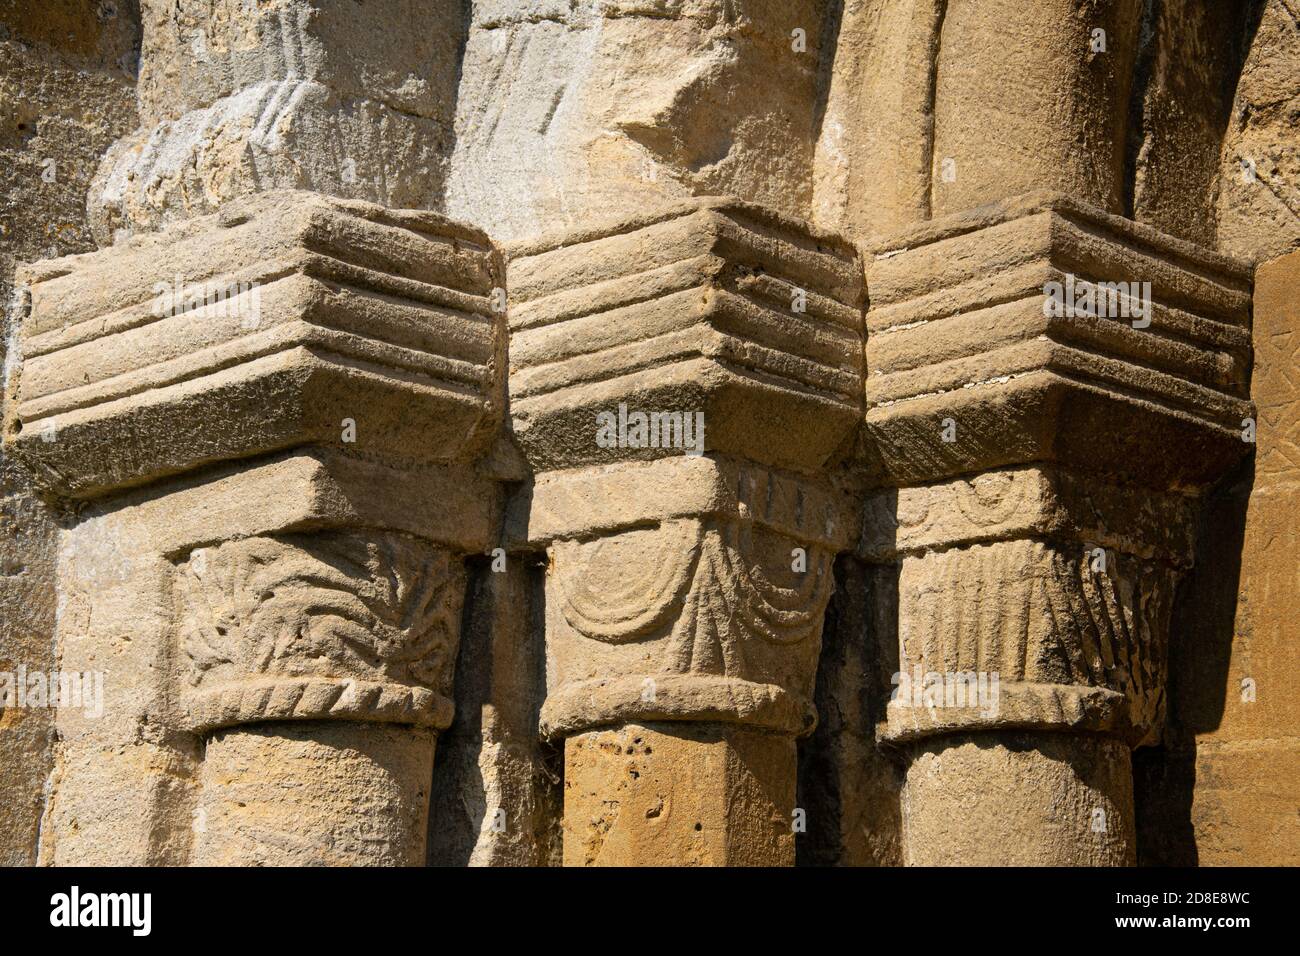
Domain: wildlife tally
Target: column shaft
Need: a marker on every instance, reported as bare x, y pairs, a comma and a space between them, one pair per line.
679, 794
1020, 799
316, 793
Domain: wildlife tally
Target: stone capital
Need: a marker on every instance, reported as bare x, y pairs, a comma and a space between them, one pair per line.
274, 424
710, 610
1049, 388
289, 401
1030, 599
1040, 329
319, 626
687, 580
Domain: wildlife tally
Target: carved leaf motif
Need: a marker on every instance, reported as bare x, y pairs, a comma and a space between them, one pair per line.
380, 607
1036, 613
1112, 628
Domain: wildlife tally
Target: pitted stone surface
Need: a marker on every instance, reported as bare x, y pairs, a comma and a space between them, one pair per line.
620, 432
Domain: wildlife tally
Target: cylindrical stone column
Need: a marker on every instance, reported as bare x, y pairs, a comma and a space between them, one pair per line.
320, 668
238, 98
679, 794
1032, 95
316, 793
1018, 799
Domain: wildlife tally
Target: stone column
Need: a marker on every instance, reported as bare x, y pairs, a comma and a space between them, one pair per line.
1041, 438
1032, 94
270, 420
681, 383
319, 668
936, 106
239, 97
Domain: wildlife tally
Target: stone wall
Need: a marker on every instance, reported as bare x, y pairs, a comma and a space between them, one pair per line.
705, 432
67, 80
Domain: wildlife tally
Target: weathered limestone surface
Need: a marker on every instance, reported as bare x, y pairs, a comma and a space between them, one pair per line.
570, 109
1213, 152
679, 795
873, 157
496, 787
238, 97
370, 796
1179, 114
1009, 65
909, 115
703, 306
958, 328
1045, 800
619, 432
1190, 56
268, 309
1258, 209
67, 73
1232, 752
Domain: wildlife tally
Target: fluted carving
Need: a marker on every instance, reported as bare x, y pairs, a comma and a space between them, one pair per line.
1078, 640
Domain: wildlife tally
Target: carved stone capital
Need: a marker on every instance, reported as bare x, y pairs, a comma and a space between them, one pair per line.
301, 388
276, 422
1041, 502
1036, 635
331, 625
687, 581
1049, 388
684, 589
704, 618
695, 591
1030, 599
